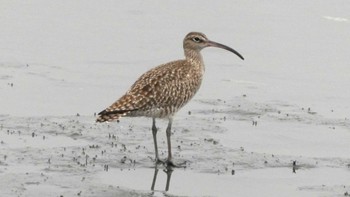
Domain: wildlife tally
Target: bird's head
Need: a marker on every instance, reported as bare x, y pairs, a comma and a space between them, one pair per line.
197, 41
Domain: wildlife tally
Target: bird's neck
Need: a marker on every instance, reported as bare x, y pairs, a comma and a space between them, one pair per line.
195, 58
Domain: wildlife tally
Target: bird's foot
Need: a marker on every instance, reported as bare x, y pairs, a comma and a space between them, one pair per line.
170, 163
159, 161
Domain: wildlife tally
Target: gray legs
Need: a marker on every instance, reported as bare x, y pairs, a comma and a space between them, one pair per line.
154, 132
168, 136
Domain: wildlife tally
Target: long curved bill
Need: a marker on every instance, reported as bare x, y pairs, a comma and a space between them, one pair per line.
215, 44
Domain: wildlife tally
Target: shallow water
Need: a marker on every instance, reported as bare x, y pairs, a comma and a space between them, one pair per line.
71, 155
267, 182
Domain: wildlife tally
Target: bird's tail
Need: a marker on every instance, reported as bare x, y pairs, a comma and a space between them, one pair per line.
109, 116
122, 107
104, 116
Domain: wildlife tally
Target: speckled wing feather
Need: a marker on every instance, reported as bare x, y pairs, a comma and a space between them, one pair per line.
159, 93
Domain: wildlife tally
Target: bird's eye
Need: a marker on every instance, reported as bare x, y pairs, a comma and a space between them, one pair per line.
196, 39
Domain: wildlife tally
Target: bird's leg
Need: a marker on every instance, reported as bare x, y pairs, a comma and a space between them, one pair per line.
168, 135
154, 132
169, 162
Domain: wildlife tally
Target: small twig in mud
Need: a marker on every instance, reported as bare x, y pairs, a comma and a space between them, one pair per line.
112, 136
150, 158
255, 123
295, 167
210, 140
123, 159
94, 146
124, 147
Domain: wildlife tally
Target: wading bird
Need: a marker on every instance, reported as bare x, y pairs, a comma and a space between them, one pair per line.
165, 89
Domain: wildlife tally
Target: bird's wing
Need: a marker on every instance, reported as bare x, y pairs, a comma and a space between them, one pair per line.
150, 90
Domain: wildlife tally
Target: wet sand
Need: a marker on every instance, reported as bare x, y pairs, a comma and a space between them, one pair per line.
53, 156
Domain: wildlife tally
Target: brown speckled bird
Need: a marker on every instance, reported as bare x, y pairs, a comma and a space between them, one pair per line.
163, 90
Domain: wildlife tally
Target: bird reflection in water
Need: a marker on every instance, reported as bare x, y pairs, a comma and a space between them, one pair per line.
168, 170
